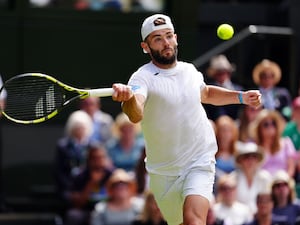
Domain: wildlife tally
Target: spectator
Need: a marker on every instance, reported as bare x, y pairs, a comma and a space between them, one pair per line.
89, 186
102, 122
264, 215
247, 115
122, 207
71, 150
126, 149
227, 208
220, 70
227, 135
251, 179
292, 130
279, 152
266, 75
150, 214
284, 195
212, 219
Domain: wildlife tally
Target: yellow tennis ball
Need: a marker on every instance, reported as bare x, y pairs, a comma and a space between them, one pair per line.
225, 31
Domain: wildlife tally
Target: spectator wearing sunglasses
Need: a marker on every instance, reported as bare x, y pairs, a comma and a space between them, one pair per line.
266, 75
279, 152
227, 208
251, 178
220, 73
284, 196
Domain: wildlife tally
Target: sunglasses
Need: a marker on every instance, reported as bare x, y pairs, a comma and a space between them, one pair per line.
266, 76
268, 124
249, 156
278, 185
226, 188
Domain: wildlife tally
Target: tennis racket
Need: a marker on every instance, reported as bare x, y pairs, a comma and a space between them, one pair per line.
35, 97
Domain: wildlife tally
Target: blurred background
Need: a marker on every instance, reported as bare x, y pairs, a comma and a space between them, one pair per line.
94, 43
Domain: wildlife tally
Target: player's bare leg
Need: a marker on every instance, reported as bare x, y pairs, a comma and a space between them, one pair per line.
195, 210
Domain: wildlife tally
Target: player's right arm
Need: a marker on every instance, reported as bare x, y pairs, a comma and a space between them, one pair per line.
132, 104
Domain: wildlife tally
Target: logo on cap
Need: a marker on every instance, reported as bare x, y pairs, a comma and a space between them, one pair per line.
159, 21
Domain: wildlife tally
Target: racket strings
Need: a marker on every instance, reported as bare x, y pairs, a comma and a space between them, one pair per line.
31, 97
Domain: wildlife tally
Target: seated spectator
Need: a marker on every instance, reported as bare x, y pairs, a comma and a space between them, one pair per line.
227, 135
264, 213
122, 207
126, 149
102, 122
211, 218
227, 208
250, 178
279, 152
266, 75
246, 116
151, 214
71, 150
284, 196
89, 186
292, 130
220, 71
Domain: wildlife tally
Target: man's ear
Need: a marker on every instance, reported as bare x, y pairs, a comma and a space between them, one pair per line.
145, 47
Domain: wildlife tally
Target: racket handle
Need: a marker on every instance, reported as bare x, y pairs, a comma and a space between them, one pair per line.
101, 92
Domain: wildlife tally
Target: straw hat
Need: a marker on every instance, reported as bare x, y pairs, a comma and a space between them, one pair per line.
226, 180
265, 65
247, 148
282, 176
219, 62
120, 175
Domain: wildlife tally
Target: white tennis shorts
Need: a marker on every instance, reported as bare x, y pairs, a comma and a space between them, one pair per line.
170, 191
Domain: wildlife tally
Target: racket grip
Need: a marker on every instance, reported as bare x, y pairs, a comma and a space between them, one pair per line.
101, 92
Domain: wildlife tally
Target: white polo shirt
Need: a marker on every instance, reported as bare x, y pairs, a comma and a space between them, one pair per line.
178, 134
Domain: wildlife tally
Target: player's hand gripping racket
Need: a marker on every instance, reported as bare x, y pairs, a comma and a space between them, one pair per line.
35, 97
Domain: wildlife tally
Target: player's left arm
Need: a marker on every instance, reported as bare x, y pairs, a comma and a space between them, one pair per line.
220, 96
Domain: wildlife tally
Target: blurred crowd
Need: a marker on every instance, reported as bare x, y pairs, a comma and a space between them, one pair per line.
100, 160
103, 5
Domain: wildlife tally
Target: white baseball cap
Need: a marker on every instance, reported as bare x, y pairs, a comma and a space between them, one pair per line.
155, 22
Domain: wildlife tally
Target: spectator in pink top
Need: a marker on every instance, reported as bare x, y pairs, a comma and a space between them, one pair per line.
279, 152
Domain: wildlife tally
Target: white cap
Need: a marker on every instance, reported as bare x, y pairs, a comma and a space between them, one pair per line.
155, 22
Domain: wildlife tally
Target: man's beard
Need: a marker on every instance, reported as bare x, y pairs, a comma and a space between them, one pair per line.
162, 59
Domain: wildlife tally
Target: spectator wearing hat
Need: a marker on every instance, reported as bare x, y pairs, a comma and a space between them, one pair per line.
122, 206
266, 131
227, 207
251, 179
266, 75
284, 196
220, 71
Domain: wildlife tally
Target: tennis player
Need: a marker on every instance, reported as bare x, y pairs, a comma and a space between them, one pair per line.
166, 96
